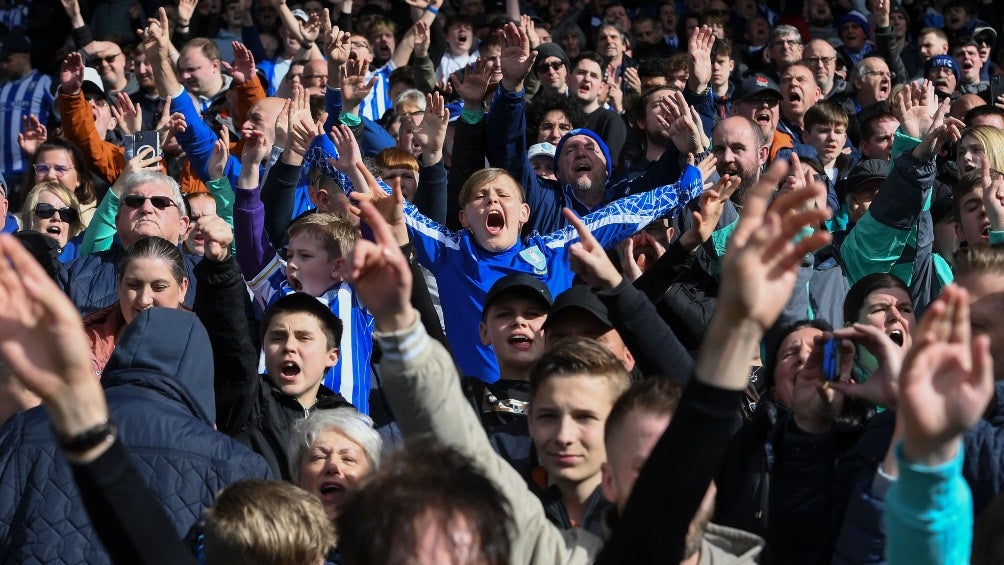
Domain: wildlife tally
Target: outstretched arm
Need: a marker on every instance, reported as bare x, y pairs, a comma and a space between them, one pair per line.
759, 273
946, 383
423, 388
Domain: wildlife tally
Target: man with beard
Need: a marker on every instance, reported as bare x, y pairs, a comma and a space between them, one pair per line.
648, 39
741, 149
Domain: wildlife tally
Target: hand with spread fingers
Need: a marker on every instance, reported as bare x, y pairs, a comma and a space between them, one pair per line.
516, 58
762, 259
127, 114
712, 204
33, 133
946, 381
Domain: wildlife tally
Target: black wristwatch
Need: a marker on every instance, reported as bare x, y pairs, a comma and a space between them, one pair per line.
88, 439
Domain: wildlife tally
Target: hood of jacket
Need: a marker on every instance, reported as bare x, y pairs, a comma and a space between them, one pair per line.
167, 350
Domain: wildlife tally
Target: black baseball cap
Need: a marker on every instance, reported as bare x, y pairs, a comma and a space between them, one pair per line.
517, 282
755, 84
582, 297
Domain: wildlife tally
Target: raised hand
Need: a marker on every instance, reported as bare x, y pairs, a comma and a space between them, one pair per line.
915, 108
761, 262
42, 340
431, 133
390, 206
336, 48
127, 113
355, 86
699, 56
159, 31
471, 83
526, 25
221, 154
380, 273
712, 204
243, 67
422, 39
682, 123
706, 166
71, 75
301, 129
218, 236
615, 96
33, 133
633, 79
186, 9
310, 29
942, 129
882, 386
349, 156
256, 149
946, 381
143, 160
516, 59
588, 258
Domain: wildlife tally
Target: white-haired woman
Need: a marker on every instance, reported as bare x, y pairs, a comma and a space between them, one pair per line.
331, 452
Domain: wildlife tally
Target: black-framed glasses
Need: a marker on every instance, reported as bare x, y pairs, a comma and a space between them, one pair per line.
159, 202
45, 211
553, 65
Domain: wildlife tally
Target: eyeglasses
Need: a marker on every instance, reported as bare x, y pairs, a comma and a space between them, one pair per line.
108, 59
984, 43
46, 211
43, 169
310, 77
884, 74
820, 60
159, 202
787, 42
553, 65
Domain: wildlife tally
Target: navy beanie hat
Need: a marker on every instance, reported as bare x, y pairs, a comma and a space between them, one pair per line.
855, 17
596, 137
943, 61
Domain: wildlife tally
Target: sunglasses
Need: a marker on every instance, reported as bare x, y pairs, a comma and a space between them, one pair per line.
109, 59
159, 202
553, 65
46, 211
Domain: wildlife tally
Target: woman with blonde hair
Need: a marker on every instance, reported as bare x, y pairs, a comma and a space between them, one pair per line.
52, 209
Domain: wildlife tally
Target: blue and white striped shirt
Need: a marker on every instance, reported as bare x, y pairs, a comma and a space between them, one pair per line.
351, 375
29, 95
378, 101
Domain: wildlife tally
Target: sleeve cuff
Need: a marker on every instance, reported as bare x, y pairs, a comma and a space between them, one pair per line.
404, 345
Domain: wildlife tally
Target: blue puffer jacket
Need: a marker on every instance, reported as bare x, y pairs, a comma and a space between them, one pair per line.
159, 384
91, 281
